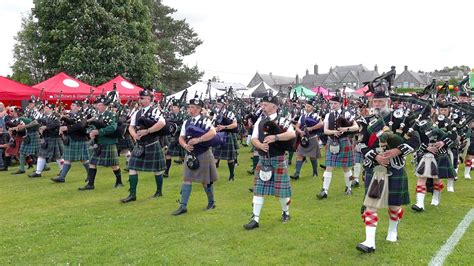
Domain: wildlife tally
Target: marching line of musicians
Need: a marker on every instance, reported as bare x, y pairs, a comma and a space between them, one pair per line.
369, 138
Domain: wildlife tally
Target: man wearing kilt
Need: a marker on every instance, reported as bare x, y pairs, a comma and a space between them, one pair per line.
104, 136
358, 156
432, 161
271, 173
200, 155
309, 144
51, 146
469, 134
339, 150
443, 122
226, 122
76, 144
174, 148
147, 155
30, 145
384, 158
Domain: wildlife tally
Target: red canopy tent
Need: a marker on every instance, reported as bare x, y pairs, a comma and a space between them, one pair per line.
15, 91
126, 90
363, 90
72, 89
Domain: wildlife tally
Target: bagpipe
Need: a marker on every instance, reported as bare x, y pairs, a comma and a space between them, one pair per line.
271, 127
310, 121
170, 128
193, 131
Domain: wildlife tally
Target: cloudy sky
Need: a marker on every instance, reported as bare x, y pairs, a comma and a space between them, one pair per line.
288, 37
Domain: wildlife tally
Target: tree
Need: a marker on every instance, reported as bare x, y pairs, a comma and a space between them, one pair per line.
89, 39
176, 39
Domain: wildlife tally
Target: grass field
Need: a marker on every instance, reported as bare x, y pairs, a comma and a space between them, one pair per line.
46, 223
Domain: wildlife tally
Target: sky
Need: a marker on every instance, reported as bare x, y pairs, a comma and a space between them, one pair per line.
288, 37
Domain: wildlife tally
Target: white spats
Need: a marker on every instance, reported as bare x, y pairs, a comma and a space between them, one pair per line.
420, 200
285, 203
436, 198
257, 207
450, 185
392, 233
370, 236
327, 180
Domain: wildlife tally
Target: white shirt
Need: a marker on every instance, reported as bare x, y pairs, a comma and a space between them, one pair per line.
207, 122
255, 132
155, 115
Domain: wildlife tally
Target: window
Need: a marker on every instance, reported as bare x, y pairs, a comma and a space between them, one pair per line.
405, 84
412, 84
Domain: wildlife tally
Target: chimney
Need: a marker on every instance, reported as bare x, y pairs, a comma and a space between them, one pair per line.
270, 74
316, 69
330, 70
307, 72
406, 68
376, 68
297, 79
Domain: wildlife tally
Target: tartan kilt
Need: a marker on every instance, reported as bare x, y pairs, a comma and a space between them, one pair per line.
312, 151
125, 144
174, 149
398, 193
14, 151
358, 157
77, 150
207, 171
236, 141
227, 150
345, 156
279, 184
31, 148
107, 157
152, 159
445, 166
54, 150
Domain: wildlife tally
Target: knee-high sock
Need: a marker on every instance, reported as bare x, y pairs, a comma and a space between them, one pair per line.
370, 220
65, 170
255, 159
185, 194
91, 176
231, 165
347, 177
299, 164
118, 176
40, 165
285, 205
60, 163
467, 168
209, 189
257, 207
159, 182
22, 162
133, 179
217, 163
168, 165
290, 156
8, 161
314, 164
327, 180
86, 166
357, 170
395, 216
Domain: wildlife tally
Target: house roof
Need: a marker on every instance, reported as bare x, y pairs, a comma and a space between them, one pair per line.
273, 80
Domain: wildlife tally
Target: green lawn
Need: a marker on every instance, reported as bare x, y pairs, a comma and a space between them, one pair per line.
46, 223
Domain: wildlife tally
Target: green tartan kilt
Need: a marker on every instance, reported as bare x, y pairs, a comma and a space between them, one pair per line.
227, 150
236, 141
445, 166
107, 157
279, 184
398, 193
152, 159
31, 148
345, 156
174, 149
76, 151
125, 144
54, 150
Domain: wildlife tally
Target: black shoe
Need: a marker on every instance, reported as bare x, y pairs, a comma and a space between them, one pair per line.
365, 248
4, 169
117, 185
18, 172
180, 211
210, 206
30, 166
315, 174
87, 187
34, 175
417, 208
46, 168
130, 198
362, 209
355, 184
157, 194
231, 178
251, 190
178, 161
251, 172
285, 217
322, 194
348, 191
295, 177
322, 166
165, 175
251, 225
58, 179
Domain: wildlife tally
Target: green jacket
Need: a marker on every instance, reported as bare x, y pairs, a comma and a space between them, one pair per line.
107, 134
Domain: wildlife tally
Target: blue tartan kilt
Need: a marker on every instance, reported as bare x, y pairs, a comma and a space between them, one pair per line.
445, 166
398, 193
76, 151
107, 157
54, 149
227, 150
236, 141
279, 184
152, 159
32, 148
345, 156
174, 149
125, 144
